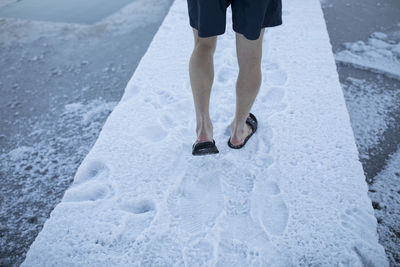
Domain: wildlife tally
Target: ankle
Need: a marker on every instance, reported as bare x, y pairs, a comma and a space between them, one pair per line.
237, 126
204, 130
238, 131
203, 124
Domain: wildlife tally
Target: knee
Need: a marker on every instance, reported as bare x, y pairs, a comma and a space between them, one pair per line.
205, 45
250, 65
249, 60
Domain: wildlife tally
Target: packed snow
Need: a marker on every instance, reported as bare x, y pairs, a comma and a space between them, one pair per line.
296, 194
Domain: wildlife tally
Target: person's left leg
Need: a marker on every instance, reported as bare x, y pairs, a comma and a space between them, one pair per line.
249, 54
201, 71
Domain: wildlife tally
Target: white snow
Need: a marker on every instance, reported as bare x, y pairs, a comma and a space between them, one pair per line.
378, 54
295, 195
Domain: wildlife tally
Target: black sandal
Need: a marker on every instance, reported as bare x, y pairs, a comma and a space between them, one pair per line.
252, 122
204, 148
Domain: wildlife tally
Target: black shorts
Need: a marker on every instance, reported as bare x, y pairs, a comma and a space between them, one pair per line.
248, 16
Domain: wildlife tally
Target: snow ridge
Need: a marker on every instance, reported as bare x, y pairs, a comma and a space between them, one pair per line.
296, 195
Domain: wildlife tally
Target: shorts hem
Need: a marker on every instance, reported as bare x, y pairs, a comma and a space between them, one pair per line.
203, 34
252, 37
273, 23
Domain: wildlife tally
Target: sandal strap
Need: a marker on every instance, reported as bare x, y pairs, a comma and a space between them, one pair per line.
252, 122
203, 145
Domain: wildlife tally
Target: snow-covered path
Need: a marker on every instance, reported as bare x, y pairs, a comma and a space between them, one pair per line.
295, 195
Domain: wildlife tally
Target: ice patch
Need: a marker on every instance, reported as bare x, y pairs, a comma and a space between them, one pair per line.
379, 54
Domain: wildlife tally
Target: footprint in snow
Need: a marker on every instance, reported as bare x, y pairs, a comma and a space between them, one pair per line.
273, 96
140, 214
90, 183
162, 251
152, 134
269, 208
198, 201
358, 221
138, 207
275, 78
167, 121
165, 97
244, 243
269, 66
199, 254
91, 170
237, 184
89, 191
130, 92
226, 75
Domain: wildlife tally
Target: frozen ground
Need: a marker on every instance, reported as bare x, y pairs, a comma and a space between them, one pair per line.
39, 173
366, 37
295, 195
58, 84
374, 109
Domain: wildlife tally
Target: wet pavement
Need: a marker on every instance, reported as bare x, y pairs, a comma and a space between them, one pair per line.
69, 11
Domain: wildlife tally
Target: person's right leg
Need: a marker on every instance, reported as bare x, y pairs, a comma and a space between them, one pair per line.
249, 54
201, 71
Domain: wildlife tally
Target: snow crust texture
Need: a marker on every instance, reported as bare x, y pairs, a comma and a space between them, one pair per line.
295, 195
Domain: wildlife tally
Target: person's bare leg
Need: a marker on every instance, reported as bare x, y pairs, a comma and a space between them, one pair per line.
249, 53
201, 71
